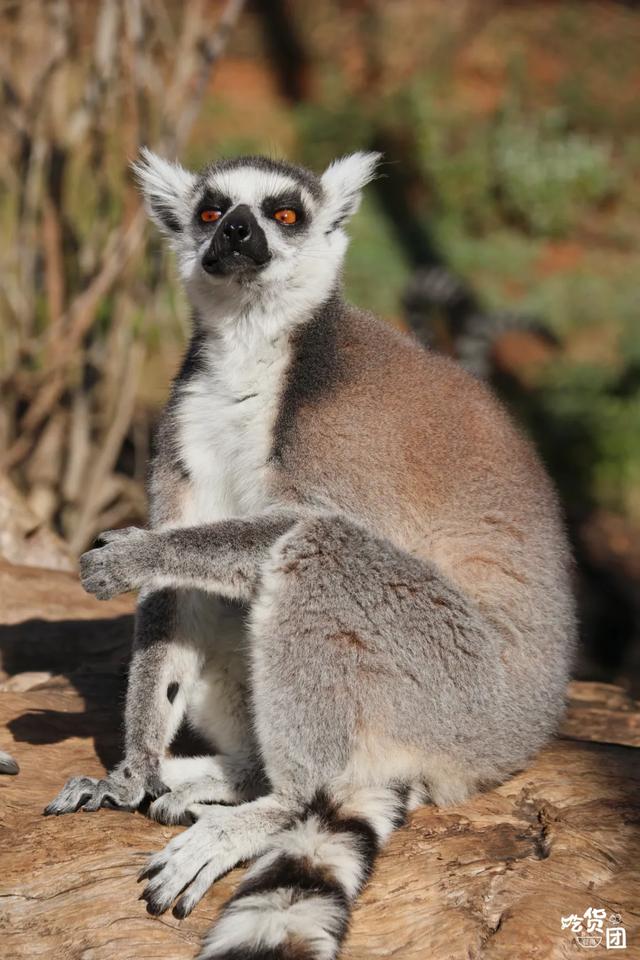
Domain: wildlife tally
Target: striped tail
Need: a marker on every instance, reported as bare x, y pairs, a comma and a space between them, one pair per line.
296, 900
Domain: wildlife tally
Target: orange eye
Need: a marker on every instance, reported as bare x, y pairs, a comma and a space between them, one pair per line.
286, 216
210, 216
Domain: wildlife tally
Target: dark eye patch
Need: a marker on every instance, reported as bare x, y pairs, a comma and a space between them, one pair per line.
289, 200
211, 199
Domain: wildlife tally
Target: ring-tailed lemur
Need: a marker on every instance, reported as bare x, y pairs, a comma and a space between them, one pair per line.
356, 582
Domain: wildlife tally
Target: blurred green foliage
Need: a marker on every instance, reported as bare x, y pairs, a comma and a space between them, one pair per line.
590, 420
533, 203
373, 248
546, 176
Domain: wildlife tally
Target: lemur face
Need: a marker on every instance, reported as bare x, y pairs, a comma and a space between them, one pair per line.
252, 213
253, 221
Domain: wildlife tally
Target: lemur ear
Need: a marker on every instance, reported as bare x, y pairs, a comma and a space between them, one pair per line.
343, 181
166, 188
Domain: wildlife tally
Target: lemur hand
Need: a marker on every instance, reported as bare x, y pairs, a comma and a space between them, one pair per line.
126, 561
123, 789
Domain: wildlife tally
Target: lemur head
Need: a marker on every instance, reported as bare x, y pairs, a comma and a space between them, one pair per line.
253, 226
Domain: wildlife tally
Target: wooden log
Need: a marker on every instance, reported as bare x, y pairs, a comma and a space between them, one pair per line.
489, 879
47, 622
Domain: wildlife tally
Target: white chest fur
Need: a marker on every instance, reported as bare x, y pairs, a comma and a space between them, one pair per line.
226, 415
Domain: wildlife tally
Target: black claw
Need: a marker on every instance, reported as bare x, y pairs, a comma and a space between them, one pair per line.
181, 910
155, 908
148, 873
156, 787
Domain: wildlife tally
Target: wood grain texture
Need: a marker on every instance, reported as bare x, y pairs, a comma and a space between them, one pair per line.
489, 879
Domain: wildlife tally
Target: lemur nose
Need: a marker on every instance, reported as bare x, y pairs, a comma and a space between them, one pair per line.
237, 230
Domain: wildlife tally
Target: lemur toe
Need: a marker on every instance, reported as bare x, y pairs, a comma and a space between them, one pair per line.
171, 809
73, 795
192, 862
168, 884
196, 891
99, 574
100, 798
89, 794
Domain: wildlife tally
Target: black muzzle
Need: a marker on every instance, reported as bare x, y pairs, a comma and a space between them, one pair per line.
239, 244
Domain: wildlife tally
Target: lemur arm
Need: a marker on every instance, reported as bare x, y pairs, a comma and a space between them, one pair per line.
223, 558
160, 674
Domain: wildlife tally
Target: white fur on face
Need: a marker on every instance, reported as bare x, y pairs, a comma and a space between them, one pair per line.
303, 269
251, 185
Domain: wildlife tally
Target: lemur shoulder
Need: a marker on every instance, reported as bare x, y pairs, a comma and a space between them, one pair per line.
355, 585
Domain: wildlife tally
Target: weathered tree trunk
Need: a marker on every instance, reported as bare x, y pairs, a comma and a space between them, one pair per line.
490, 879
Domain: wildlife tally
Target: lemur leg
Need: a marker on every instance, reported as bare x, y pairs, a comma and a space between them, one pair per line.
164, 667
363, 659
218, 709
168, 673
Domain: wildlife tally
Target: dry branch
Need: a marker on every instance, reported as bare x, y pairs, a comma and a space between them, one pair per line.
72, 281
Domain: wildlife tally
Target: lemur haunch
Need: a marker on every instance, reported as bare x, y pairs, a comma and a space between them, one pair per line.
356, 584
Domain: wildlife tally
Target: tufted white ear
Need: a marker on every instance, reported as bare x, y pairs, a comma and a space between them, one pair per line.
343, 181
166, 188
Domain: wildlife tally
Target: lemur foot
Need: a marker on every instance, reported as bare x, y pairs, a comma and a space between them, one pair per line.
123, 789
175, 806
195, 859
206, 780
123, 562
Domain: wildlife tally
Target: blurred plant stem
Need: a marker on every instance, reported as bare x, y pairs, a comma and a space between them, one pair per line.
80, 304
